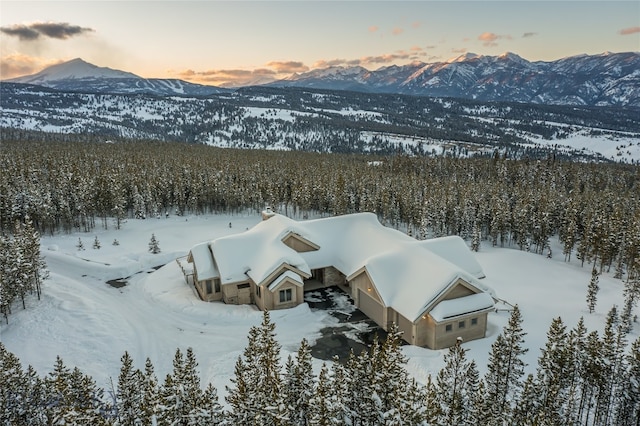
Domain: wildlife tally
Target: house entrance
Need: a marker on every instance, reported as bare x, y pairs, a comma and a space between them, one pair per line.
318, 275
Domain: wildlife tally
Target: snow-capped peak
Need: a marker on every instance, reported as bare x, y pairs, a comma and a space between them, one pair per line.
71, 70
464, 57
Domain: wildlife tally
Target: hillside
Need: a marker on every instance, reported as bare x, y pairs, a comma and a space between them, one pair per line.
332, 121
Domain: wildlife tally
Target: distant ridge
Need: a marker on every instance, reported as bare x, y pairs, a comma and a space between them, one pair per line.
78, 75
607, 79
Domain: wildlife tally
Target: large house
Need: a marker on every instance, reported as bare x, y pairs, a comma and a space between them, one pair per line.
430, 288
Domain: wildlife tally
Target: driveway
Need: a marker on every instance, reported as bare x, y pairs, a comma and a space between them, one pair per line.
355, 331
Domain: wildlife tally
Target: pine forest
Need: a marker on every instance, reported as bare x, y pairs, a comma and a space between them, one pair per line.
582, 377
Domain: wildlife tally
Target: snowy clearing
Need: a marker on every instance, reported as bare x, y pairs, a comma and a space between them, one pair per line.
90, 323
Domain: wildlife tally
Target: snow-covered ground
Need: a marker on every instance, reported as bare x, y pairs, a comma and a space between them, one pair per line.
90, 323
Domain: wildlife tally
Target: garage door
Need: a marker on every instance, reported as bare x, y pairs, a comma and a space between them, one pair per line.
371, 308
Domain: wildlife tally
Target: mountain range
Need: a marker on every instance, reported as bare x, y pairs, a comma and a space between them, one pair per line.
607, 79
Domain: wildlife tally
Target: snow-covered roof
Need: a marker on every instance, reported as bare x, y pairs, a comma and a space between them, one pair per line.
256, 253
203, 262
287, 274
455, 250
408, 274
451, 308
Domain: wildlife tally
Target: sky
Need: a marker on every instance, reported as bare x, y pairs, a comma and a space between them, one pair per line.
233, 43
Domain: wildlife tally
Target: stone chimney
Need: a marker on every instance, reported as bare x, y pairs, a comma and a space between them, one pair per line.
267, 213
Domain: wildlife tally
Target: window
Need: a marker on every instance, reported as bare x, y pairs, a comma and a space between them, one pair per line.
461, 324
216, 281
474, 321
285, 295
448, 328
245, 285
208, 284
258, 291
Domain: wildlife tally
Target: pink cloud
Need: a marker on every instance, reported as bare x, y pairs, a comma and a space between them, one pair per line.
288, 66
373, 28
630, 30
397, 31
489, 38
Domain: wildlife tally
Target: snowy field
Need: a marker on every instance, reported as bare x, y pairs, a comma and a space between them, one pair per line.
90, 323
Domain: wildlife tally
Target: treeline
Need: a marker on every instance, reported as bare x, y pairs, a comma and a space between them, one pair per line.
581, 379
22, 268
71, 186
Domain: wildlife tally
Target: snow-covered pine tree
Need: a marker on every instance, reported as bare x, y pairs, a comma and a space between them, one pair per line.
129, 394
154, 245
210, 411
613, 345
80, 245
505, 369
88, 406
299, 385
475, 238
34, 413
256, 395
192, 394
554, 375
592, 290
96, 243
627, 409
527, 408
341, 399
452, 397
12, 388
631, 294
58, 392
590, 378
320, 406
150, 394
400, 400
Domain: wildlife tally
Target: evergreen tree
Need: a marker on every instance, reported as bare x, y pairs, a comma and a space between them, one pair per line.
299, 385
80, 245
257, 394
475, 238
321, 409
505, 369
453, 397
150, 394
96, 243
613, 344
527, 408
592, 290
154, 245
554, 375
129, 393
627, 410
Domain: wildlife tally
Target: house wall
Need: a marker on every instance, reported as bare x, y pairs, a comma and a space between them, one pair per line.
271, 299
435, 336
230, 292
367, 299
459, 290
297, 244
201, 287
333, 277
407, 329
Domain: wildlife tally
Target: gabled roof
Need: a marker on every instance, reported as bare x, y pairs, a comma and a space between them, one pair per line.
205, 266
455, 250
256, 253
408, 274
447, 309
